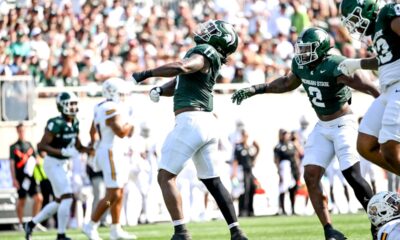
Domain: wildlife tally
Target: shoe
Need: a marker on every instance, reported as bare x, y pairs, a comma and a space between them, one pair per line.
238, 235
333, 234
19, 227
121, 234
181, 236
40, 227
91, 232
28, 230
63, 238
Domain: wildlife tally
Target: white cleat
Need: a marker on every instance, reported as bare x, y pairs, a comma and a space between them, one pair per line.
121, 234
91, 232
40, 228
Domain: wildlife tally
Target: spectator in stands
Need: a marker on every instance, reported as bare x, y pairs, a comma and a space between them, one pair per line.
22, 164
164, 33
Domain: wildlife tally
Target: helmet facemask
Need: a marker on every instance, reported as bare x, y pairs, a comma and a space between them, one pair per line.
306, 53
384, 207
356, 24
206, 30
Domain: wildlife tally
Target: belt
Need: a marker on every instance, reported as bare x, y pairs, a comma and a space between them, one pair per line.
189, 109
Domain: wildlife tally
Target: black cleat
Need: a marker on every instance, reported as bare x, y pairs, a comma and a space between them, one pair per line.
181, 236
62, 237
28, 230
238, 235
333, 234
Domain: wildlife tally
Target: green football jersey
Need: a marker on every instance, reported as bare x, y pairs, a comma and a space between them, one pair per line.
386, 42
64, 133
325, 94
195, 89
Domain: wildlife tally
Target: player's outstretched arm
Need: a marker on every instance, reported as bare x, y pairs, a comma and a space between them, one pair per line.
350, 65
280, 85
360, 83
194, 63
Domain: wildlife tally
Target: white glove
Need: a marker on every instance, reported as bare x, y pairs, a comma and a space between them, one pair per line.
69, 151
155, 94
349, 66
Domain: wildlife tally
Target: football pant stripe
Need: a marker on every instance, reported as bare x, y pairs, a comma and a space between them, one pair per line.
112, 166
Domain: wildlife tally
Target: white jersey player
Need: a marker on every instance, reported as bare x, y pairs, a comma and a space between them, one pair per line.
384, 213
111, 125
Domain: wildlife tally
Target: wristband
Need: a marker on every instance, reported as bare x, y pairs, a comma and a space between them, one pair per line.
260, 88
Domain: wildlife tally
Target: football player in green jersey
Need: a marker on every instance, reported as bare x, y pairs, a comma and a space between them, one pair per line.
61, 142
335, 133
195, 133
379, 132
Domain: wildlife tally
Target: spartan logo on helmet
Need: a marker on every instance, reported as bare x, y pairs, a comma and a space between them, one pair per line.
357, 16
67, 103
219, 34
312, 44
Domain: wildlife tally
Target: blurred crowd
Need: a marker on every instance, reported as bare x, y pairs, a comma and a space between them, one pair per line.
79, 43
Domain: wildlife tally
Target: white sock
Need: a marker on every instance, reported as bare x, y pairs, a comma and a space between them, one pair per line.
115, 227
49, 210
63, 214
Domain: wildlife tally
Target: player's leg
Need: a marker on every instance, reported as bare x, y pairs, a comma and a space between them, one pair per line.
389, 136
37, 203
207, 173
177, 149
349, 160
368, 133
318, 154
57, 173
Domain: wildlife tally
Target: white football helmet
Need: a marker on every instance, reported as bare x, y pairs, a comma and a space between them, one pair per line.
113, 88
67, 103
383, 207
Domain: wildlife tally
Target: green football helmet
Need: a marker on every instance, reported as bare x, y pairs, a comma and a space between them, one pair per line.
312, 44
358, 16
67, 103
219, 34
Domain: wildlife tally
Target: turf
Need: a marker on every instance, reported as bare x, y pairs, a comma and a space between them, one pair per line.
355, 226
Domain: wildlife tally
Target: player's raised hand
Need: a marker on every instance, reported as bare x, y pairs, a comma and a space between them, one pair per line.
242, 94
155, 94
349, 66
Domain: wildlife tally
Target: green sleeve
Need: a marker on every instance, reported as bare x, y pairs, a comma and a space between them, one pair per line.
334, 64
53, 126
208, 52
391, 11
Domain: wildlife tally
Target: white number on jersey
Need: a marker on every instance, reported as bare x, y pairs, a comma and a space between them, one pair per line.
209, 52
50, 126
397, 9
383, 50
177, 82
316, 100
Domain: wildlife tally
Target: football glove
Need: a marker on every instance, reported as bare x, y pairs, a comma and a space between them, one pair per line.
242, 94
138, 77
69, 151
155, 94
349, 66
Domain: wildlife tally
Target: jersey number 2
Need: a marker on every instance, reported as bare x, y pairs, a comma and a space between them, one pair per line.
317, 97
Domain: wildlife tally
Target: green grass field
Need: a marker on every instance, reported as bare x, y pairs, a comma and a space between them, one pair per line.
355, 226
